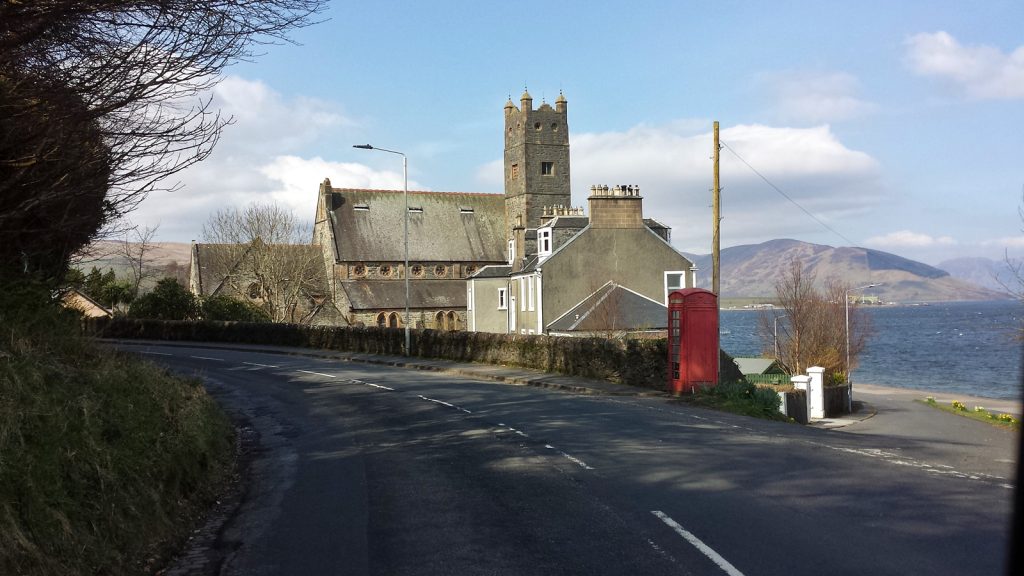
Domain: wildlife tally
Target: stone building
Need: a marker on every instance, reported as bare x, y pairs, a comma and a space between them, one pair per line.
608, 274
513, 262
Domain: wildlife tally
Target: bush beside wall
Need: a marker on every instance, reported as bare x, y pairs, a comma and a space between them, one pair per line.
640, 363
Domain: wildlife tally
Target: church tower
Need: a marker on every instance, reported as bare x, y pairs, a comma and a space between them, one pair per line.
536, 166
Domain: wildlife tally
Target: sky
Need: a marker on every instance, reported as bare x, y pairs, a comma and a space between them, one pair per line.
897, 126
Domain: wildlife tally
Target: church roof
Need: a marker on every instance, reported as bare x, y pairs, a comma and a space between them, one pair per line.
390, 294
613, 307
443, 226
217, 261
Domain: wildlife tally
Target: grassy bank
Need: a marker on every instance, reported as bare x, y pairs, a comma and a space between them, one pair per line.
104, 459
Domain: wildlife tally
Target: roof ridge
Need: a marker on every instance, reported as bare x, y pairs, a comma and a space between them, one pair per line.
438, 192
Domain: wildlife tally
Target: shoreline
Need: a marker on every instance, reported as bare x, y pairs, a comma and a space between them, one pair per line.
991, 404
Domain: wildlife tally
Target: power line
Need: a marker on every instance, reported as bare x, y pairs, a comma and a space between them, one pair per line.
787, 197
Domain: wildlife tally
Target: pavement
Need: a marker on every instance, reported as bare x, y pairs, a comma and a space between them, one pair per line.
867, 397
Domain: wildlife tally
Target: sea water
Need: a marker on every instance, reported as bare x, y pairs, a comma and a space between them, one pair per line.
971, 348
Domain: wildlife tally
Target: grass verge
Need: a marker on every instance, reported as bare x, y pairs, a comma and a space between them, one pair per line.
977, 413
105, 460
739, 398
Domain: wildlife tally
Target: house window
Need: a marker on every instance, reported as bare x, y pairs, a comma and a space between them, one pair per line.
674, 280
544, 241
502, 299
547, 168
529, 290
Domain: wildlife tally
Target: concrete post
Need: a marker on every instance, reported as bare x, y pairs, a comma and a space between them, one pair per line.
816, 392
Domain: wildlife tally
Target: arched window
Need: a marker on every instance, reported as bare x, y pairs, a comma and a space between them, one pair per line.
439, 321
394, 320
382, 320
453, 321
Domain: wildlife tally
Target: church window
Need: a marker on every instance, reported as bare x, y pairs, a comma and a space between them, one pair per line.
385, 270
382, 320
511, 251
439, 322
453, 321
547, 168
253, 290
515, 171
417, 270
394, 320
359, 270
415, 210
554, 127
470, 270
536, 125
440, 270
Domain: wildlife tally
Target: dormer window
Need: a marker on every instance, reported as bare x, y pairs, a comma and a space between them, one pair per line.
544, 242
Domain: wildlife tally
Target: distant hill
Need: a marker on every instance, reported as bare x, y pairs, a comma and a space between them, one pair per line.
992, 274
167, 258
750, 271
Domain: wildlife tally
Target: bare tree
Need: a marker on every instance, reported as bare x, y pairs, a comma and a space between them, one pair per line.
811, 328
262, 252
137, 247
102, 101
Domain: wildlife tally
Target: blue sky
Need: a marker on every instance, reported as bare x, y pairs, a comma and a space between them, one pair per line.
900, 125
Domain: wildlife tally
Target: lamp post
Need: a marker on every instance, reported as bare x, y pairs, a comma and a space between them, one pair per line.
405, 190
849, 379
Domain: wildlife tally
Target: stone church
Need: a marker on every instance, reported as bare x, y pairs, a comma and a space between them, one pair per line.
514, 262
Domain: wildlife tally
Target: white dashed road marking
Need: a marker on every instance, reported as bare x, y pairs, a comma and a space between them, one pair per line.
207, 358
704, 548
318, 374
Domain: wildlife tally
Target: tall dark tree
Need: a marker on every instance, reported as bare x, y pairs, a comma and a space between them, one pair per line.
102, 101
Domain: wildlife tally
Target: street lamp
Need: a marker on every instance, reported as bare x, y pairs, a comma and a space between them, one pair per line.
405, 188
849, 379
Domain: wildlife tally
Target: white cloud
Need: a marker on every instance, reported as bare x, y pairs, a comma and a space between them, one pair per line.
982, 72
1005, 242
809, 98
908, 239
258, 159
673, 168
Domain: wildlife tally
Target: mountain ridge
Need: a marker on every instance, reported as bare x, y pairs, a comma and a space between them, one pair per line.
751, 271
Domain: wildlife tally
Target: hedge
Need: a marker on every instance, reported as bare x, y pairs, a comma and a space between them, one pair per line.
642, 363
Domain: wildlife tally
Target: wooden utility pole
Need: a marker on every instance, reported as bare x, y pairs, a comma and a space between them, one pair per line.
716, 208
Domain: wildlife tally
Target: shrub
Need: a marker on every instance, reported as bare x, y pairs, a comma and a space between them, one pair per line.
168, 301
225, 308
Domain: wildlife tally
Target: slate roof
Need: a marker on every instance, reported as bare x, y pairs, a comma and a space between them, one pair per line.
443, 226
216, 261
613, 307
390, 294
493, 271
758, 366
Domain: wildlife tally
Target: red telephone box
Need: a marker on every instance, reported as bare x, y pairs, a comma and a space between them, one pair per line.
692, 340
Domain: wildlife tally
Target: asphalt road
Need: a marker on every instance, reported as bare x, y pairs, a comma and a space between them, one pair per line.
364, 469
